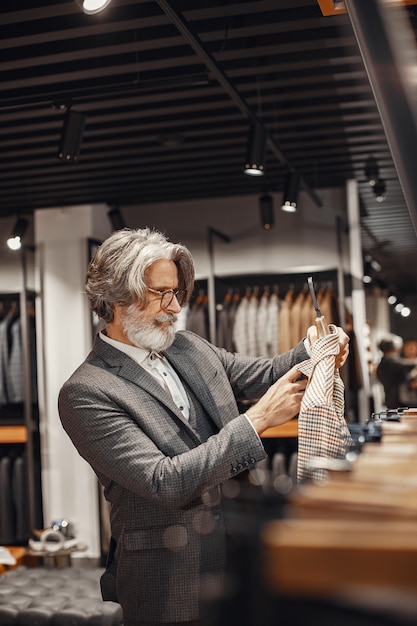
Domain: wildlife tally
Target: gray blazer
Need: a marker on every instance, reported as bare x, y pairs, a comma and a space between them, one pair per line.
162, 481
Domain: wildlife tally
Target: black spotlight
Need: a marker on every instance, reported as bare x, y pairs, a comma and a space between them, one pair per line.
379, 190
266, 207
367, 269
14, 242
71, 136
116, 218
291, 189
256, 148
371, 171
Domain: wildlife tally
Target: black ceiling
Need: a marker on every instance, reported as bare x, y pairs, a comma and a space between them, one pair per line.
169, 92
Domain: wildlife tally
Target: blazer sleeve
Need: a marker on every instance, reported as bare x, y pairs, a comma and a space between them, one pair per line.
122, 442
250, 377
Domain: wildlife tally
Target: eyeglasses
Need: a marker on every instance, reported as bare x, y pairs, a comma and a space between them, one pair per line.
168, 296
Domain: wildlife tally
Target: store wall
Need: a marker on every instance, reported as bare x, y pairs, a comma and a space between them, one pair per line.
11, 274
69, 487
301, 241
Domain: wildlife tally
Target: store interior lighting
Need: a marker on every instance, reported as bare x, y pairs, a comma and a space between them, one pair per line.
71, 136
373, 277
398, 306
266, 208
380, 190
291, 189
256, 149
371, 171
371, 268
14, 242
90, 7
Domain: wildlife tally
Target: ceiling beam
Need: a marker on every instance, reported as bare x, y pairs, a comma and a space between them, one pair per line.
381, 40
197, 45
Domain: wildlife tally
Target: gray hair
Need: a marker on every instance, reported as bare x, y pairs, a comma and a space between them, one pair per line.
116, 274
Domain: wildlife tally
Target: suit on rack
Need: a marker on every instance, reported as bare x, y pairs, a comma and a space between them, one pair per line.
162, 473
4, 356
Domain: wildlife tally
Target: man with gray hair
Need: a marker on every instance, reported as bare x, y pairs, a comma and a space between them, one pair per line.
155, 414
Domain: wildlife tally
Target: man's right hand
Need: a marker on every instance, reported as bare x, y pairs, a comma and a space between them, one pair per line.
280, 403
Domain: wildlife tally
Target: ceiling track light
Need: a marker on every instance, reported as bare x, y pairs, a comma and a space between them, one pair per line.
256, 148
116, 218
14, 242
266, 208
90, 7
367, 269
371, 171
379, 190
291, 189
71, 136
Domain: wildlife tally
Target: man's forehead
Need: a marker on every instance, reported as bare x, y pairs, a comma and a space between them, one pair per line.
162, 271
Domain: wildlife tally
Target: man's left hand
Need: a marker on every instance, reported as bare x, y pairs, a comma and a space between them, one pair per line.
343, 344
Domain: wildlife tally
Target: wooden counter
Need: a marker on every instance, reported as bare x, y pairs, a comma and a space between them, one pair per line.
355, 530
289, 429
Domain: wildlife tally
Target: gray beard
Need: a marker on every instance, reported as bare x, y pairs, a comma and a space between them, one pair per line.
149, 335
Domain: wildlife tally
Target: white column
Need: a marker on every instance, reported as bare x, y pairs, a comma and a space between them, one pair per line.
69, 486
358, 295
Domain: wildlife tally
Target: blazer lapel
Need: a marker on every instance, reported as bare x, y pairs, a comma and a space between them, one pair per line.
127, 368
188, 369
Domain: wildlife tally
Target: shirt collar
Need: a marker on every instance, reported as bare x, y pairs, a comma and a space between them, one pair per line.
137, 354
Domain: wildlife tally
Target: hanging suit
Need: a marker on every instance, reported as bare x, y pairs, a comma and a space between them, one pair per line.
272, 325
7, 510
240, 327
285, 335
4, 357
15, 383
297, 332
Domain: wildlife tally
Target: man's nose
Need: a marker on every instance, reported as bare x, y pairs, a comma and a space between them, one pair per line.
174, 305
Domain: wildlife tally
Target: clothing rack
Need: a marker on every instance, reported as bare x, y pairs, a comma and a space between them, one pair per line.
235, 287
274, 282
19, 421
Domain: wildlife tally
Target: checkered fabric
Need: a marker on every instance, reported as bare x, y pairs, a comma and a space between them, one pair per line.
322, 429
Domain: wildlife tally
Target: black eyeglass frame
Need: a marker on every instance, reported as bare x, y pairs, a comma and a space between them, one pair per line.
180, 295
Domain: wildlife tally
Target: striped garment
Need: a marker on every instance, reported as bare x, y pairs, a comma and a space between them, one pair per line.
322, 429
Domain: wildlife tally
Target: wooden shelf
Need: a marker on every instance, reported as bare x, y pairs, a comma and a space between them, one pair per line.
289, 429
13, 434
